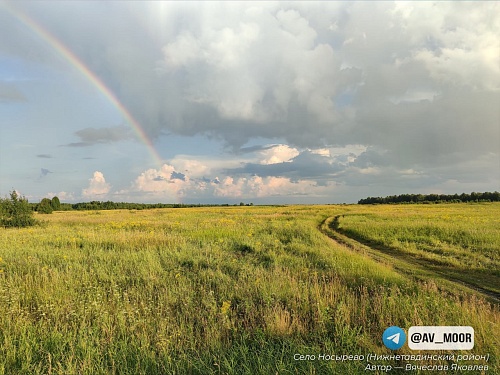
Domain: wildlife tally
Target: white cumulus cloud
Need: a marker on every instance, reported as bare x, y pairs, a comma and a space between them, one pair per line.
278, 154
98, 186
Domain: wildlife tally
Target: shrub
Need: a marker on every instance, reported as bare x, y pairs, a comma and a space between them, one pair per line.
55, 203
16, 212
45, 206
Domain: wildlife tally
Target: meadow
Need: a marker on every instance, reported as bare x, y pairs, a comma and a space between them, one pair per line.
242, 290
462, 244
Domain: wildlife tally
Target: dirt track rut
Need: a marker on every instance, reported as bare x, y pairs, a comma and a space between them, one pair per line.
410, 266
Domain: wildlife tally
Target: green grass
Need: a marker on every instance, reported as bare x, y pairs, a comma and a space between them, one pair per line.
235, 290
460, 241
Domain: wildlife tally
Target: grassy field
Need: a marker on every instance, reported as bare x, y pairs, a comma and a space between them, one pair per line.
238, 290
462, 242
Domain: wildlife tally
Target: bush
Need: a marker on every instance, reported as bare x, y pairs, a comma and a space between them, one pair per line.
45, 206
16, 212
55, 203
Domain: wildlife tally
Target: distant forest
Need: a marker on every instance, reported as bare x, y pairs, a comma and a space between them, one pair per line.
47, 205
108, 205
434, 198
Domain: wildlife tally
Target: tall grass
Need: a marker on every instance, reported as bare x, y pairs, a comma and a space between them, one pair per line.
465, 234
207, 291
462, 239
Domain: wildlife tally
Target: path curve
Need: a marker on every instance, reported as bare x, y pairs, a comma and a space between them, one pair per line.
402, 263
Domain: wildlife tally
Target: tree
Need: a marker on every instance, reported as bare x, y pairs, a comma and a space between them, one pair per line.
45, 206
55, 203
16, 211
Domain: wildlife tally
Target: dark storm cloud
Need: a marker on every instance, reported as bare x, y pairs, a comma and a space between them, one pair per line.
250, 149
178, 176
371, 78
307, 165
314, 74
44, 156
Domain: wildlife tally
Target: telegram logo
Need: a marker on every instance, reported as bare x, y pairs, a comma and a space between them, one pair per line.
394, 337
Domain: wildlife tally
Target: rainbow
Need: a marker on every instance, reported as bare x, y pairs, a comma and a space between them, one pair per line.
70, 57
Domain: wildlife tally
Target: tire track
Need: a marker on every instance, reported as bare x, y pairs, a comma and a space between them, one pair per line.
420, 269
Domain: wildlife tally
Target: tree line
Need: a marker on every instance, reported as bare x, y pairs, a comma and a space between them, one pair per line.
109, 205
434, 198
16, 211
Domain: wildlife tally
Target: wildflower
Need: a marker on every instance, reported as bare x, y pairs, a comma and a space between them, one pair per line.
226, 305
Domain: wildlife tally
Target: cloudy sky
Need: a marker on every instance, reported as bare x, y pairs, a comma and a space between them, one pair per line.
263, 102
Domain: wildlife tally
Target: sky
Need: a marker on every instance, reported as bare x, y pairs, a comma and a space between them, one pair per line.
255, 102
